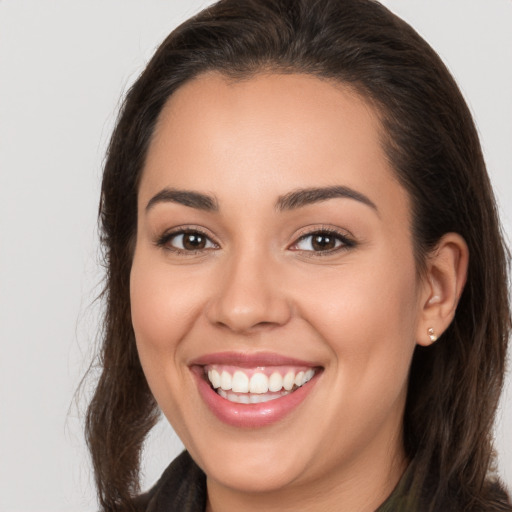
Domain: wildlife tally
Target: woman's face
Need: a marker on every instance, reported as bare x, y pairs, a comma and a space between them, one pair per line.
274, 246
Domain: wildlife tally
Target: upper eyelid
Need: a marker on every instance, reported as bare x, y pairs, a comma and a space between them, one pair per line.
187, 229
327, 231
311, 230
180, 230
348, 240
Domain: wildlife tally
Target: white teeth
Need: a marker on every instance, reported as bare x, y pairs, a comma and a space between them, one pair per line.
258, 399
245, 389
249, 399
225, 381
244, 399
275, 383
289, 380
240, 382
258, 383
214, 377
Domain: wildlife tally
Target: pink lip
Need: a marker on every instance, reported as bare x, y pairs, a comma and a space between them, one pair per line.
245, 360
250, 415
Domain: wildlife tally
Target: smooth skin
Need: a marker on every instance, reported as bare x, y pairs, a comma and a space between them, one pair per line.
332, 281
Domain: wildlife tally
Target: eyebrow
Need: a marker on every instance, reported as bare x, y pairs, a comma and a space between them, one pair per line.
305, 196
184, 197
291, 201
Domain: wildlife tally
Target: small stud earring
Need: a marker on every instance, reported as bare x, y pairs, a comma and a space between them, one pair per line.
432, 335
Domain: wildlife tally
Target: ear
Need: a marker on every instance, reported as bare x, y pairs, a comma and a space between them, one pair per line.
443, 282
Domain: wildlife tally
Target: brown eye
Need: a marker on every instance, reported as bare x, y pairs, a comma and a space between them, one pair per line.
322, 241
193, 241
190, 241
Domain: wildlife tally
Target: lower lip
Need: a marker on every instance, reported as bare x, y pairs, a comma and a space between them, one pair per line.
251, 415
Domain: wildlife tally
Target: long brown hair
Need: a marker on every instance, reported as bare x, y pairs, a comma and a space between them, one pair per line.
432, 144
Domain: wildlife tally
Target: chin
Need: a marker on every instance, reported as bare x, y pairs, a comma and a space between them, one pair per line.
255, 462
259, 475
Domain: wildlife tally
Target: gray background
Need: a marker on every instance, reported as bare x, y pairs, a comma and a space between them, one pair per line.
64, 64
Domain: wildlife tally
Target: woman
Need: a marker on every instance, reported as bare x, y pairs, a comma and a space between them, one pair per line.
305, 271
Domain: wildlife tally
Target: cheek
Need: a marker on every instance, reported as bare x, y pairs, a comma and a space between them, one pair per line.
367, 315
162, 308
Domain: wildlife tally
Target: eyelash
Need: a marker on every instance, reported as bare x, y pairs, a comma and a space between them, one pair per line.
345, 242
163, 241
342, 240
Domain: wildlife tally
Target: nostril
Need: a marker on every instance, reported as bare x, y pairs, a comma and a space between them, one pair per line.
247, 318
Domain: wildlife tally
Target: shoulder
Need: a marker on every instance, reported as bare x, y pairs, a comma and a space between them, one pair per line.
492, 497
182, 487
408, 497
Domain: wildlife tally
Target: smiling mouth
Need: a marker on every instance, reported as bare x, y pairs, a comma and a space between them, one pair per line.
256, 385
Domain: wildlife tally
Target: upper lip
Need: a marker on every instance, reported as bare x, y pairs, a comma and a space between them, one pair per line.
250, 360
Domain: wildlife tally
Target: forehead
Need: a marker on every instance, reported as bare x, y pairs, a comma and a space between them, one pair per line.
284, 108
268, 134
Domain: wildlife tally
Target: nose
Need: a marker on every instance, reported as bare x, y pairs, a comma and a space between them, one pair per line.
249, 295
